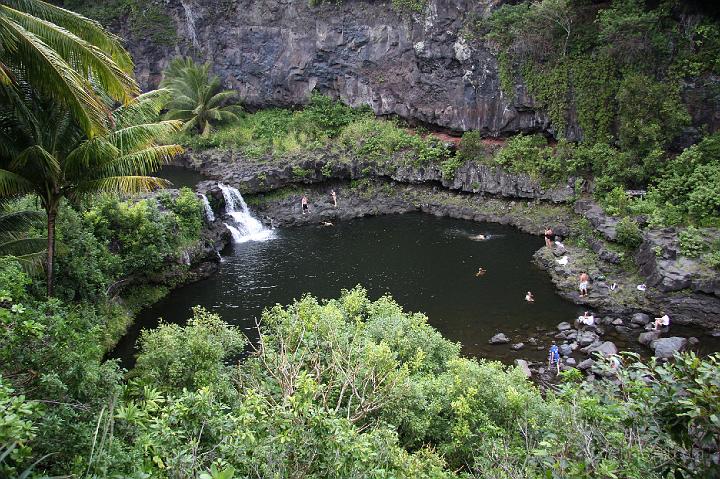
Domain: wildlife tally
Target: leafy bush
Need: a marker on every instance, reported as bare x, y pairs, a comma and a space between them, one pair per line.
471, 147
628, 233
173, 357
692, 243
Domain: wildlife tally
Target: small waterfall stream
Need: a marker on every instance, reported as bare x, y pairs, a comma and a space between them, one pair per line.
243, 226
209, 215
190, 23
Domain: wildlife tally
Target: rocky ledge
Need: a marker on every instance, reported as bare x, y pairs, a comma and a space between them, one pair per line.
257, 176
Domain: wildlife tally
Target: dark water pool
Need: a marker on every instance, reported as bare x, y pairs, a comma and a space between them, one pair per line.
427, 264
180, 176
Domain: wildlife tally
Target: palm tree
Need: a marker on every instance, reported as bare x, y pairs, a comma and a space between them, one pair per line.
198, 98
65, 57
14, 240
53, 159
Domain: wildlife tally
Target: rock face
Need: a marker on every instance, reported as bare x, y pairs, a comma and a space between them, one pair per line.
417, 66
257, 177
666, 347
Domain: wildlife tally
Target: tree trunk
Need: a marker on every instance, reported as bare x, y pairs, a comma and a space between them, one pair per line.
51, 215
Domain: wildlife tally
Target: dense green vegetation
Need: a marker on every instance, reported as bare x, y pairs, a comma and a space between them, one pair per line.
275, 134
618, 68
343, 388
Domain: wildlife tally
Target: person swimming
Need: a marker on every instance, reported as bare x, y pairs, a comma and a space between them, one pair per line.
529, 297
480, 272
479, 237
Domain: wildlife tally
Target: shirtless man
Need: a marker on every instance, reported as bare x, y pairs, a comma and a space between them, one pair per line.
549, 235
334, 198
304, 204
584, 281
480, 272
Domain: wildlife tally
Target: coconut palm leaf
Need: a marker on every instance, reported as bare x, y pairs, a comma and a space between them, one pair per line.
52, 74
85, 28
136, 137
14, 241
13, 184
83, 56
144, 108
141, 162
122, 184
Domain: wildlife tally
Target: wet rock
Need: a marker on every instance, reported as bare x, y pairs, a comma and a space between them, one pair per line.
587, 364
532, 341
570, 361
564, 326
648, 337
499, 338
640, 318
715, 333
524, 367
693, 341
607, 348
517, 346
622, 329
565, 349
617, 322
666, 347
586, 338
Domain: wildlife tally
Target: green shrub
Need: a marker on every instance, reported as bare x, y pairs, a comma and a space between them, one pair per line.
450, 166
173, 357
471, 147
628, 233
692, 243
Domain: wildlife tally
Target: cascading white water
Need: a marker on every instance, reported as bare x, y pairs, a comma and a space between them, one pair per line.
244, 226
209, 215
190, 23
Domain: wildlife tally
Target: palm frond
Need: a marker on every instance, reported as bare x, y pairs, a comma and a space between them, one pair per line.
12, 184
122, 184
142, 162
81, 55
135, 137
46, 70
220, 98
85, 28
37, 163
144, 108
20, 221
21, 246
88, 156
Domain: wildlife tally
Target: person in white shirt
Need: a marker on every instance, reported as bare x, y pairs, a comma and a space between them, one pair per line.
662, 322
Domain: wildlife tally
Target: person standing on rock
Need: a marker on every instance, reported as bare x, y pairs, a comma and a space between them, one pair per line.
554, 357
549, 237
334, 197
304, 204
584, 282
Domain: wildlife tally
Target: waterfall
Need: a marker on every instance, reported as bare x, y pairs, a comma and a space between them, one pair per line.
190, 23
209, 215
243, 226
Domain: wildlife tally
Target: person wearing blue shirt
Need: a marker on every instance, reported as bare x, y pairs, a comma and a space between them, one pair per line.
554, 357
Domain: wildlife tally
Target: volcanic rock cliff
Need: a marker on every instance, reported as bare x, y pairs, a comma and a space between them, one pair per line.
429, 67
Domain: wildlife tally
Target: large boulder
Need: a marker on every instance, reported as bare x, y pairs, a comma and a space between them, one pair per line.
564, 326
499, 338
640, 318
565, 349
666, 347
607, 348
648, 337
586, 338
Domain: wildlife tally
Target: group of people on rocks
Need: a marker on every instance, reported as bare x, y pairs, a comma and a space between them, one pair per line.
306, 208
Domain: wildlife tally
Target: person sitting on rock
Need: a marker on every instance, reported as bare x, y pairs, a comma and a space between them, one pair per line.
529, 297
662, 322
480, 272
587, 319
554, 357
